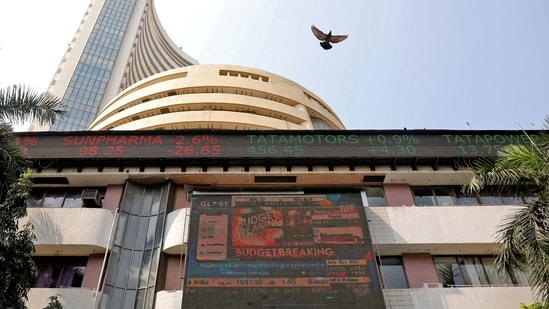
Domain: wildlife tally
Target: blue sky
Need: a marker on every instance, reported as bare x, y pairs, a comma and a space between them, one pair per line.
430, 64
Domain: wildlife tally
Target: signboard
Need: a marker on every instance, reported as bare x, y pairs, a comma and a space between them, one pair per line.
297, 251
264, 144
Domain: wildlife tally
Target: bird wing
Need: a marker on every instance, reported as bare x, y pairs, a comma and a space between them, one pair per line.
338, 38
319, 34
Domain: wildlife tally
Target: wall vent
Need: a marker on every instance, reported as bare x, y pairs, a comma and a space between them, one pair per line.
50, 180
374, 178
271, 179
91, 198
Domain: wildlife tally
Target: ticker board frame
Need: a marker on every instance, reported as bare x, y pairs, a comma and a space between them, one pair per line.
232, 148
191, 144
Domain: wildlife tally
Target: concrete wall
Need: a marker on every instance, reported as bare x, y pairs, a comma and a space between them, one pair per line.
436, 230
458, 298
176, 231
70, 231
68, 297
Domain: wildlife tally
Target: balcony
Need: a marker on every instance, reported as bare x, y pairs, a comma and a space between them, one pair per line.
435, 297
70, 231
68, 297
437, 230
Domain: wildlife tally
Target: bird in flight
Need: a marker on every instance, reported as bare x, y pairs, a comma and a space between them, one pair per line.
327, 38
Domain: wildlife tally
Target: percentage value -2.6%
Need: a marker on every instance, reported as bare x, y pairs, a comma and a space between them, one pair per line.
198, 145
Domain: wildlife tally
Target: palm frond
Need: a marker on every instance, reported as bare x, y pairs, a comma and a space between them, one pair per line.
523, 238
518, 169
516, 232
12, 163
521, 170
20, 104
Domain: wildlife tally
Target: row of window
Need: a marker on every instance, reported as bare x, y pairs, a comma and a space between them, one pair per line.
452, 271
443, 196
451, 196
65, 197
474, 271
60, 272
373, 196
98, 57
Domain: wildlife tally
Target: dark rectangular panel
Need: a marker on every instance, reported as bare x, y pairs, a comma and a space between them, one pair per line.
280, 251
275, 179
276, 144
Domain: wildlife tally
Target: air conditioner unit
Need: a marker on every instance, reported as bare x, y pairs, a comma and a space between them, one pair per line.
91, 198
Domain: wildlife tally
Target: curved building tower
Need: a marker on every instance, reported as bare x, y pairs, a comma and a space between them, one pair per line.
220, 97
117, 44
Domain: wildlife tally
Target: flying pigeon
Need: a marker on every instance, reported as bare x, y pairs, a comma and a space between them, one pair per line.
327, 38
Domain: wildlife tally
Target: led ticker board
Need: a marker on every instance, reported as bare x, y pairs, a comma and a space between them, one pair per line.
298, 251
263, 144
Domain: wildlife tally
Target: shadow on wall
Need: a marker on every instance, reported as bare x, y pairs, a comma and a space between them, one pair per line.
45, 228
69, 298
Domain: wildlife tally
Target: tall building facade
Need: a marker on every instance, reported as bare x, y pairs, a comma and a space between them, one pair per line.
220, 186
117, 44
267, 218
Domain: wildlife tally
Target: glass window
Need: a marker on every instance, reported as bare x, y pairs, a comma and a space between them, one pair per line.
493, 275
73, 199
448, 271
319, 124
490, 200
473, 271
511, 200
60, 272
445, 196
54, 199
35, 199
131, 228
449, 196
133, 265
130, 299
434, 196
140, 299
490, 196
392, 272
375, 196
72, 276
519, 277
58, 197
423, 197
487, 198
48, 277
464, 199
122, 275
134, 269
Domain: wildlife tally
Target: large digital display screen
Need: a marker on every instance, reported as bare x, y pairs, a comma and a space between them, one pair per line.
280, 251
276, 144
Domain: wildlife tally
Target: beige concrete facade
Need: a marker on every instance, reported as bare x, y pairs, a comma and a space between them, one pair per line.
431, 231
57, 235
216, 97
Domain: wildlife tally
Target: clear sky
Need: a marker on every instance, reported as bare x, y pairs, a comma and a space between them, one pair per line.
431, 64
